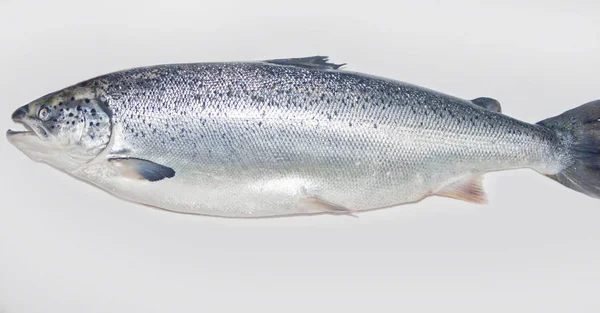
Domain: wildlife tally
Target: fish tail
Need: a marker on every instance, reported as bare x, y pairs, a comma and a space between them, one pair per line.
581, 127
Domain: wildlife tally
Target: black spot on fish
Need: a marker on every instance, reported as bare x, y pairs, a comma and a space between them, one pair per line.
73, 123
79, 108
87, 100
91, 123
172, 138
97, 123
70, 114
93, 111
72, 98
60, 103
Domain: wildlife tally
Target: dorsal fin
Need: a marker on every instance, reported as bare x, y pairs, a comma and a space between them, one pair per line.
318, 62
488, 103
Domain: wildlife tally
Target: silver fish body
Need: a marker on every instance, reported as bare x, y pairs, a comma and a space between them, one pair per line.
252, 139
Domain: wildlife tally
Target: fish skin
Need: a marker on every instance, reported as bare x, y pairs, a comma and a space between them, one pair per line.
254, 139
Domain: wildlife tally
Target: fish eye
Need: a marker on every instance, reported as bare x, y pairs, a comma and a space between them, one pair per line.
44, 113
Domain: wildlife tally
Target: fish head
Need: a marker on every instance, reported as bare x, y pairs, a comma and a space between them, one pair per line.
66, 129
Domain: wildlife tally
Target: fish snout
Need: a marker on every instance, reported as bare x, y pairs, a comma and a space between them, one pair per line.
20, 113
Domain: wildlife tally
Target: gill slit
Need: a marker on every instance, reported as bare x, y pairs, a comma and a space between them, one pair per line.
83, 128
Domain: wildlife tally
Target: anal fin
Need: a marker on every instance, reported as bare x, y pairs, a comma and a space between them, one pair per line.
141, 169
469, 189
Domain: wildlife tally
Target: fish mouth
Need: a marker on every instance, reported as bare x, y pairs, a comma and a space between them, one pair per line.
29, 131
28, 128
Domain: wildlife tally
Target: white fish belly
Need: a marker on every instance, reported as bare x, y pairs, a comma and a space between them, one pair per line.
257, 196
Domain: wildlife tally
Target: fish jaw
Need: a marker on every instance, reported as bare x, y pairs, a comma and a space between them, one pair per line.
27, 142
33, 141
44, 151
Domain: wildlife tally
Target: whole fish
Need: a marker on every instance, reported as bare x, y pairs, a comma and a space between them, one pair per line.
292, 136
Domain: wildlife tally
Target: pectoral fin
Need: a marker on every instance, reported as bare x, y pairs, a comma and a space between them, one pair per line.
141, 169
469, 189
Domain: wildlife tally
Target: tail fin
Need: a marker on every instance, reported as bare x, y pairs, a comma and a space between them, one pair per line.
583, 126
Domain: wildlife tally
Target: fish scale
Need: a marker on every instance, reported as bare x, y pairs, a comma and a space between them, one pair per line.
291, 136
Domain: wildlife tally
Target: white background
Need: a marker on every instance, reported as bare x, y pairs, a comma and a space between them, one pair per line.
68, 247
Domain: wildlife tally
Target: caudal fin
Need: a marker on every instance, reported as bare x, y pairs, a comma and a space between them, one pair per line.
582, 126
